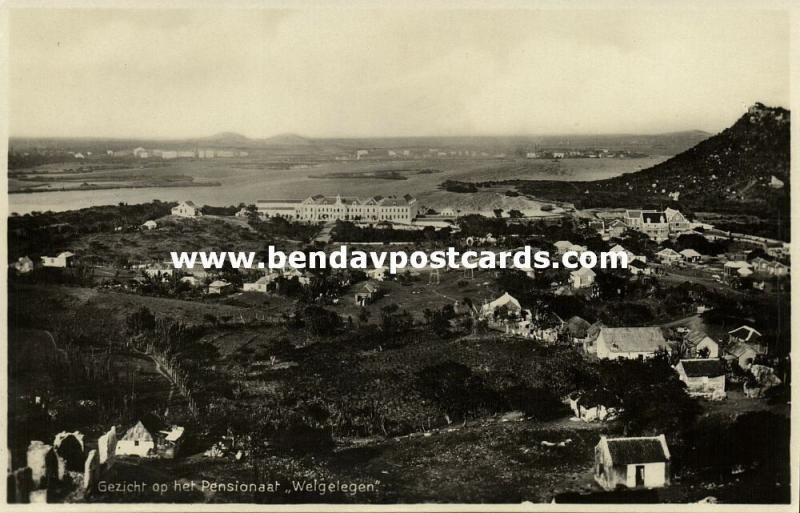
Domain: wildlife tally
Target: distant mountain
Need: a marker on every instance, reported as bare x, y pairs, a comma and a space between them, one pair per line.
226, 139
736, 164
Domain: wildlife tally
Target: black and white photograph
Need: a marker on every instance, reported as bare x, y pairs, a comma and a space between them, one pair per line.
333, 255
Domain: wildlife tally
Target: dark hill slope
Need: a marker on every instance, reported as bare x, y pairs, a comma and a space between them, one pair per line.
728, 173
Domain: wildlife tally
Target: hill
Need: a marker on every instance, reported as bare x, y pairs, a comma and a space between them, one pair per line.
729, 173
287, 140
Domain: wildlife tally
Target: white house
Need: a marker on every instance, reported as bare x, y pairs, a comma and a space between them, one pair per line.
150, 225
582, 278
703, 376
563, 246
669, 256
632, 462
377, 274
630, 343
691, 255
218, 287
137, 442
64, 259
506, 300
699, 341
260, 285
186, 209
137, 152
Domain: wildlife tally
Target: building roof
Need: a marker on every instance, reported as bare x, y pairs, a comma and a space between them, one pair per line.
280, 201
188, 203
633, 340
745, 333
577, 326
174, 433
694, 337
219, 283
700, 367
690, 253
66, 254
653, 217
505, 300
646, 449
369, 287
738, 349
138, 432
562, 244
737, 264
583, 272
637, 264
668, 252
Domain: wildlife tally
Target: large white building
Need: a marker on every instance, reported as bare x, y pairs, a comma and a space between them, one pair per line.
656, 224
329, 208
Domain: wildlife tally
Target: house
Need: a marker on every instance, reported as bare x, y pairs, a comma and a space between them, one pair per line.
186, 209
669, 256
562, 246
170, 441
191, 280
377, 274
777, 269
260, 285
64, 259
691, 255
632, 462
630, 343
137, 442
703, 376
23, 265
169, 154
577, 328
700, 343
506, 301
137, 152
677, 221
366, 294
590, 341
159, 270
734, 268
637, 267
616, 228
150, 225
218, 287
243, 212
743, 353
582, 278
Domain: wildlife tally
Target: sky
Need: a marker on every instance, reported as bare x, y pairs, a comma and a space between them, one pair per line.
158, 73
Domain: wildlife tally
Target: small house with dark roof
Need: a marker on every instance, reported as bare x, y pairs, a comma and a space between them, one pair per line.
700, 343
703, 376
366, 294
632, 462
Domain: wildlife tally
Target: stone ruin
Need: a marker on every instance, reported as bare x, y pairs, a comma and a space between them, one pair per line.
62, 464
